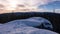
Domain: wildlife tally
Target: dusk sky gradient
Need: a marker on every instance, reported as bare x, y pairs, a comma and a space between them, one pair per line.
52, 5
40, 4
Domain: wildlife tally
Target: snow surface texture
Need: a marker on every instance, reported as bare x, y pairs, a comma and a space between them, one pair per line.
26, 26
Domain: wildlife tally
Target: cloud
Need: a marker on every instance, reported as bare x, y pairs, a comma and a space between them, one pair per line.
29, 2
57, 10
56, 0
35, 2
32, 3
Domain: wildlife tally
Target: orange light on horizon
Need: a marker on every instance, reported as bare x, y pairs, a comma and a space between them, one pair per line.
17, 6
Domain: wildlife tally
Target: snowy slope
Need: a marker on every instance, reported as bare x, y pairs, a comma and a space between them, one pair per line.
26, 26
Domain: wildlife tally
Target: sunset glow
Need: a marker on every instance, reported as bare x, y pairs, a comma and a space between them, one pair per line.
11, 5
20, 5
23, 5
29, 5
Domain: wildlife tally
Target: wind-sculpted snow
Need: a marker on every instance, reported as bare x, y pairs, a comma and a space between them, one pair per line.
26, 26
34, 21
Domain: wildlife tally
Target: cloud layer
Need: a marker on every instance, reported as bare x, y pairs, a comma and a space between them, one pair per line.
28, 2
32, 3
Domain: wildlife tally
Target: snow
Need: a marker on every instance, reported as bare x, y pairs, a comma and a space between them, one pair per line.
26, 26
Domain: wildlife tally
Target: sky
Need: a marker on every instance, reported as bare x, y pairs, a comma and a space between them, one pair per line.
38, 4
52, 5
